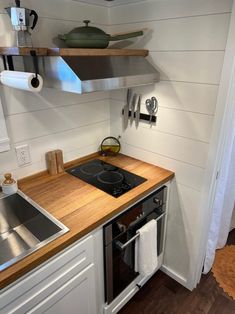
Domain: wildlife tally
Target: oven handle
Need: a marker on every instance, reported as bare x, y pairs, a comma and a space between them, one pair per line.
122, 246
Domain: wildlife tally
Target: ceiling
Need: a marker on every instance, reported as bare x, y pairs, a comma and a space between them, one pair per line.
109, 3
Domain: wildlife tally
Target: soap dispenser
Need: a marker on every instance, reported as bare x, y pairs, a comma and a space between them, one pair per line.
9, 185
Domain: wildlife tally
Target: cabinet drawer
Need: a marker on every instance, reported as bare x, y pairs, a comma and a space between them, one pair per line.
31, 290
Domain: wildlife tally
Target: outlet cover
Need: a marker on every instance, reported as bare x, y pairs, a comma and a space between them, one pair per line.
23, 155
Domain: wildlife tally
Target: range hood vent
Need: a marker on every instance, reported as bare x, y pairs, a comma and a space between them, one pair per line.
84, 74
87, 70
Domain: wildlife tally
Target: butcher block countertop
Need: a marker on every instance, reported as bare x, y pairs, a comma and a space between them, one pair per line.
80, 206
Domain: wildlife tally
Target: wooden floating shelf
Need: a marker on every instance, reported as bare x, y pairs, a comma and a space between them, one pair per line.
17, 51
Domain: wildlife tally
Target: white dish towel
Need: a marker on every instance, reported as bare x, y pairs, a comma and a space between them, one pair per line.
146, 260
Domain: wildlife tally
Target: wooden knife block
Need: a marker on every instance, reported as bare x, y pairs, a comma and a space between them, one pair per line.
54, 161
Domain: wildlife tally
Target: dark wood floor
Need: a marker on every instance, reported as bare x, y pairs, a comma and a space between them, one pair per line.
163, 295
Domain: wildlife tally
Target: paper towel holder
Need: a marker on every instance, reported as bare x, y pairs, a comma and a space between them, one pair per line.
33, 54
8, 61
35, 81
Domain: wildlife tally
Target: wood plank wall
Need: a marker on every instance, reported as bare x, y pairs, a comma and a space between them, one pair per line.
186, 39
52, 119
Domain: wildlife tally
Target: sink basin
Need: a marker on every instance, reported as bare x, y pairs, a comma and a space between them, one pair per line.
24, 228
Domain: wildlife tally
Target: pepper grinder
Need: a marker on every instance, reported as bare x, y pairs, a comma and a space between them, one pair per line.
9, 185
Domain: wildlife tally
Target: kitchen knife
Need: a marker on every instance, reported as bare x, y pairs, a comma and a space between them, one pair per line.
133, 105
137, 113
126, 109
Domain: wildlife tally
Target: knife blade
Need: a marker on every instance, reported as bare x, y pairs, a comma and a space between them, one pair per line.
137, 113
126, 109
133, 105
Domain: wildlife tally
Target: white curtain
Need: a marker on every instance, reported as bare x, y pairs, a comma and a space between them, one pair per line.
223, 204
232, 226
228, 204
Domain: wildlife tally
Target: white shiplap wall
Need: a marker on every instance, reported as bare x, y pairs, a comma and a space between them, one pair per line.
52, 119
106, 3
55, 17
186, 40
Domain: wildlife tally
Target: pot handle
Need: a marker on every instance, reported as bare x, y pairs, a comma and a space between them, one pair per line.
126, 36
35, 19
86, 22
62, 37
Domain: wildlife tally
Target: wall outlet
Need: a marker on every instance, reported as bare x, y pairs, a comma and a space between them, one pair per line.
23, 155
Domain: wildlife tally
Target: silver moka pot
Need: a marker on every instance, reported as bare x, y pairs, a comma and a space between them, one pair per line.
22, 20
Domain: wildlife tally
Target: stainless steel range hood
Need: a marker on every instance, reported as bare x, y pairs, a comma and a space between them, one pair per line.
84, 74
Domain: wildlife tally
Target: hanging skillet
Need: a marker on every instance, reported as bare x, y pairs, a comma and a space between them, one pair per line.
93, 37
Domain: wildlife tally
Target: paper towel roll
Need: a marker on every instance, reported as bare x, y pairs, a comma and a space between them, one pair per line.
22, 80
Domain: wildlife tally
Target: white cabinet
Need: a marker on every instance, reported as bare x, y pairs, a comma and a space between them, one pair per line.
76, 295
66, 284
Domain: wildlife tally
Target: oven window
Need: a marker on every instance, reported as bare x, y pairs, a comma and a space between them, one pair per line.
123, 264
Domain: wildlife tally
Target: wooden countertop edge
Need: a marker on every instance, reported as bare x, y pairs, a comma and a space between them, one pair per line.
37, 258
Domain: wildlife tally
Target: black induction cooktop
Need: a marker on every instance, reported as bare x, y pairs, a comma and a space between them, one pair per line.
106, 177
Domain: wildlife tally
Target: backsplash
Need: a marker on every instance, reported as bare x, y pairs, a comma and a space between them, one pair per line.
52, 119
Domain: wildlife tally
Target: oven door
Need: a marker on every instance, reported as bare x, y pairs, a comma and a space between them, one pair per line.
119, 241
120, 255
120, 265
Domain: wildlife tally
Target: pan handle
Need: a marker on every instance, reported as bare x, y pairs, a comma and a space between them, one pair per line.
62, 37
126, 36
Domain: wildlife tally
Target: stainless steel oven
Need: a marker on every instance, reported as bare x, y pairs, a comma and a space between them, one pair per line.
119, 241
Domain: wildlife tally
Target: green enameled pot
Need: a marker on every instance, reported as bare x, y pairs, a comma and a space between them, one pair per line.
93, 37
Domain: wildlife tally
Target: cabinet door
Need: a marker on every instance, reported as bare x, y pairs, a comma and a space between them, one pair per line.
50, 277
75, 296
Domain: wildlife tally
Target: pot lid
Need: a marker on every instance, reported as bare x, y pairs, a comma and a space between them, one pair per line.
87, 29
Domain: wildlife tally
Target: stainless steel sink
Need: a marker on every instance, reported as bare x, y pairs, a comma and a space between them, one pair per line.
24, 228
